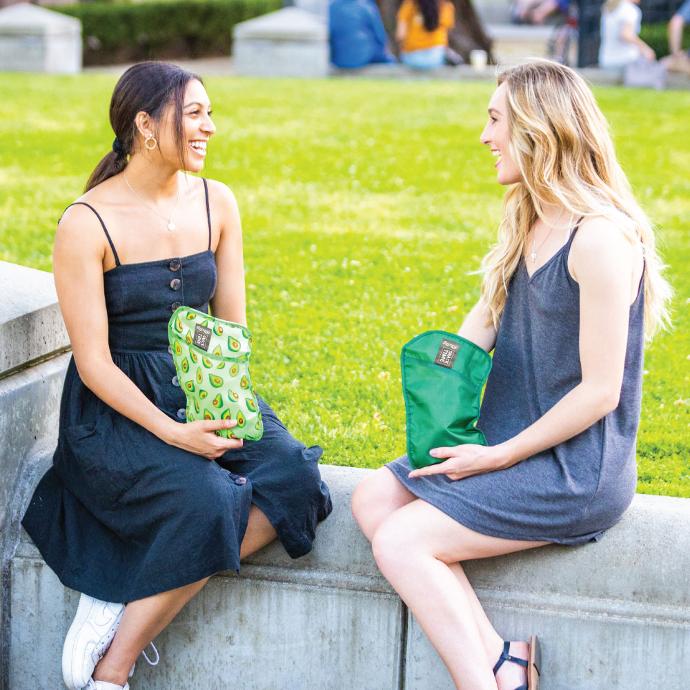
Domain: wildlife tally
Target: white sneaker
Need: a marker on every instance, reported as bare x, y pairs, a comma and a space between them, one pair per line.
88, 638
104, 685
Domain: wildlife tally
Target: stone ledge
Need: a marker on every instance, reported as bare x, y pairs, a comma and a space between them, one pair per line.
519, 32
29, 407
593, 75
620, 603
31, 325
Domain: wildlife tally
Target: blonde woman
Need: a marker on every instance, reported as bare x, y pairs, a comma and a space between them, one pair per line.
569, 291
621, 44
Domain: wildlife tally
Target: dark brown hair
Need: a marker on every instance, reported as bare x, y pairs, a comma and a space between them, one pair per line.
431, 13
149, 87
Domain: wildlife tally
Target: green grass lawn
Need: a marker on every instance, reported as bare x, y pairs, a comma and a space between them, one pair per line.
366, 206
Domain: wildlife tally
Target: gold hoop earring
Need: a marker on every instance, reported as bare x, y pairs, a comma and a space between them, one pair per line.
148, 139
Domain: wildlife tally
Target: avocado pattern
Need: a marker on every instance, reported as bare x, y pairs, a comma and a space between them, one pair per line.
216, 379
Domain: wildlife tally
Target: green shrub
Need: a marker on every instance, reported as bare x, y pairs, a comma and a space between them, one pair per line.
119, 32
656, 36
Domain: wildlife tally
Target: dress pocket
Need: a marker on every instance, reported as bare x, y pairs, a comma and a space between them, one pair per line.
93, 462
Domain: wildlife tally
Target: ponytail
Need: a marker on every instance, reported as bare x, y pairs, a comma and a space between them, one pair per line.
111, 164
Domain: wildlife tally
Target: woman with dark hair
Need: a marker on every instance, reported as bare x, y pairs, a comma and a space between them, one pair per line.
140, 508
422, 32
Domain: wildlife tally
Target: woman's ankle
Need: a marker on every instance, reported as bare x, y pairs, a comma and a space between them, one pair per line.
111, 673
519, 648
511, 675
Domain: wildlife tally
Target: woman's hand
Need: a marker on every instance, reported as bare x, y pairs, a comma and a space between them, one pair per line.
464, 461
200, 438
648, 53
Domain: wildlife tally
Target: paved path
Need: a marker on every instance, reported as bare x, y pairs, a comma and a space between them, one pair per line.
222, 67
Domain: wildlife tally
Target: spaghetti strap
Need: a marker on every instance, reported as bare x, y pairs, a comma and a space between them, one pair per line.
105, 230
573, 232
208, 211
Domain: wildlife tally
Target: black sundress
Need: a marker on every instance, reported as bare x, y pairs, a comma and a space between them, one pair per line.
122, 515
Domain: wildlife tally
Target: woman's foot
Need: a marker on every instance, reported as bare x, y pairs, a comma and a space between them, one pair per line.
104, 685
88, 639
511, 668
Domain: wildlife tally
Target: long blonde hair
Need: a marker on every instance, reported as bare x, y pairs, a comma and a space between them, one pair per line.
560, 141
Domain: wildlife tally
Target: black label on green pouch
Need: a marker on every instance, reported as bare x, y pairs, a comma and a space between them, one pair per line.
447, 354
202, 336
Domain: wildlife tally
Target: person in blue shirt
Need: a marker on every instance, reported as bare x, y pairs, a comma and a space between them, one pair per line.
678, 60
357, 35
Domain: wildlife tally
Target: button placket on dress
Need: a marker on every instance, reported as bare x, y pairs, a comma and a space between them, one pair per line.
175, 266
175, 284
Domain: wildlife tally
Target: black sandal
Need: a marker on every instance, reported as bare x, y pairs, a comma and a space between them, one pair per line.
532, 664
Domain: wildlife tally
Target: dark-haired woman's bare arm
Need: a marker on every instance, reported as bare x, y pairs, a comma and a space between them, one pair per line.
80, 249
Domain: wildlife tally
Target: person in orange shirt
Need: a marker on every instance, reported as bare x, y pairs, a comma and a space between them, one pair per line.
422, 32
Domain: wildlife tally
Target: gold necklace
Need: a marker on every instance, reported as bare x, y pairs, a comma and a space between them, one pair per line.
170, 226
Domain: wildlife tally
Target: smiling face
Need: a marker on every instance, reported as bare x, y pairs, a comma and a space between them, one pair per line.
496, 135
197, 129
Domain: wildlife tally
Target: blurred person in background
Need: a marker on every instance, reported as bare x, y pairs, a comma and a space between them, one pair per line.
621, 44
679, 60
422, 33
356, 33
531, 12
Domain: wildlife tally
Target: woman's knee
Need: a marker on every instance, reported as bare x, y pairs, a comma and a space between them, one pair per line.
376, 498
361, 501
368, 499
391, 546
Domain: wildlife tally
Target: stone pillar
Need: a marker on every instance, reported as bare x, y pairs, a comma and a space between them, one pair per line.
33, 39
288, 43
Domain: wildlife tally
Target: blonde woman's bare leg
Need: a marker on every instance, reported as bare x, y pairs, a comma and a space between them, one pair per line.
378, 497
145, 618
418, 548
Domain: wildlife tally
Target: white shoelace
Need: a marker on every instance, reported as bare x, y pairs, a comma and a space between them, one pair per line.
146, 656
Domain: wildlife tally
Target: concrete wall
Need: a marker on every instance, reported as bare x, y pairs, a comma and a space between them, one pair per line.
615, 614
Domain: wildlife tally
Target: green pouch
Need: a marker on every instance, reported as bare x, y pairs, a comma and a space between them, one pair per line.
442, 377
211, 358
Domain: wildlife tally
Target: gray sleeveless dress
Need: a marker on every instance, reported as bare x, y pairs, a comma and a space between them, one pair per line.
568, 494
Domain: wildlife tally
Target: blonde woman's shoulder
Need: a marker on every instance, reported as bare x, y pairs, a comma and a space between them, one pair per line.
603, 244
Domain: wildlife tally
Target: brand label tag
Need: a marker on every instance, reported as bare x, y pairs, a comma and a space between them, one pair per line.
202, 337
447, 354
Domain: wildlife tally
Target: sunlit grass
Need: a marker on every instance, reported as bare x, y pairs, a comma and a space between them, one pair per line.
366, 206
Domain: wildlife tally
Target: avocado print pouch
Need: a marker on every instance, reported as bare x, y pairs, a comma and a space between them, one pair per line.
443, 376
211, 358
